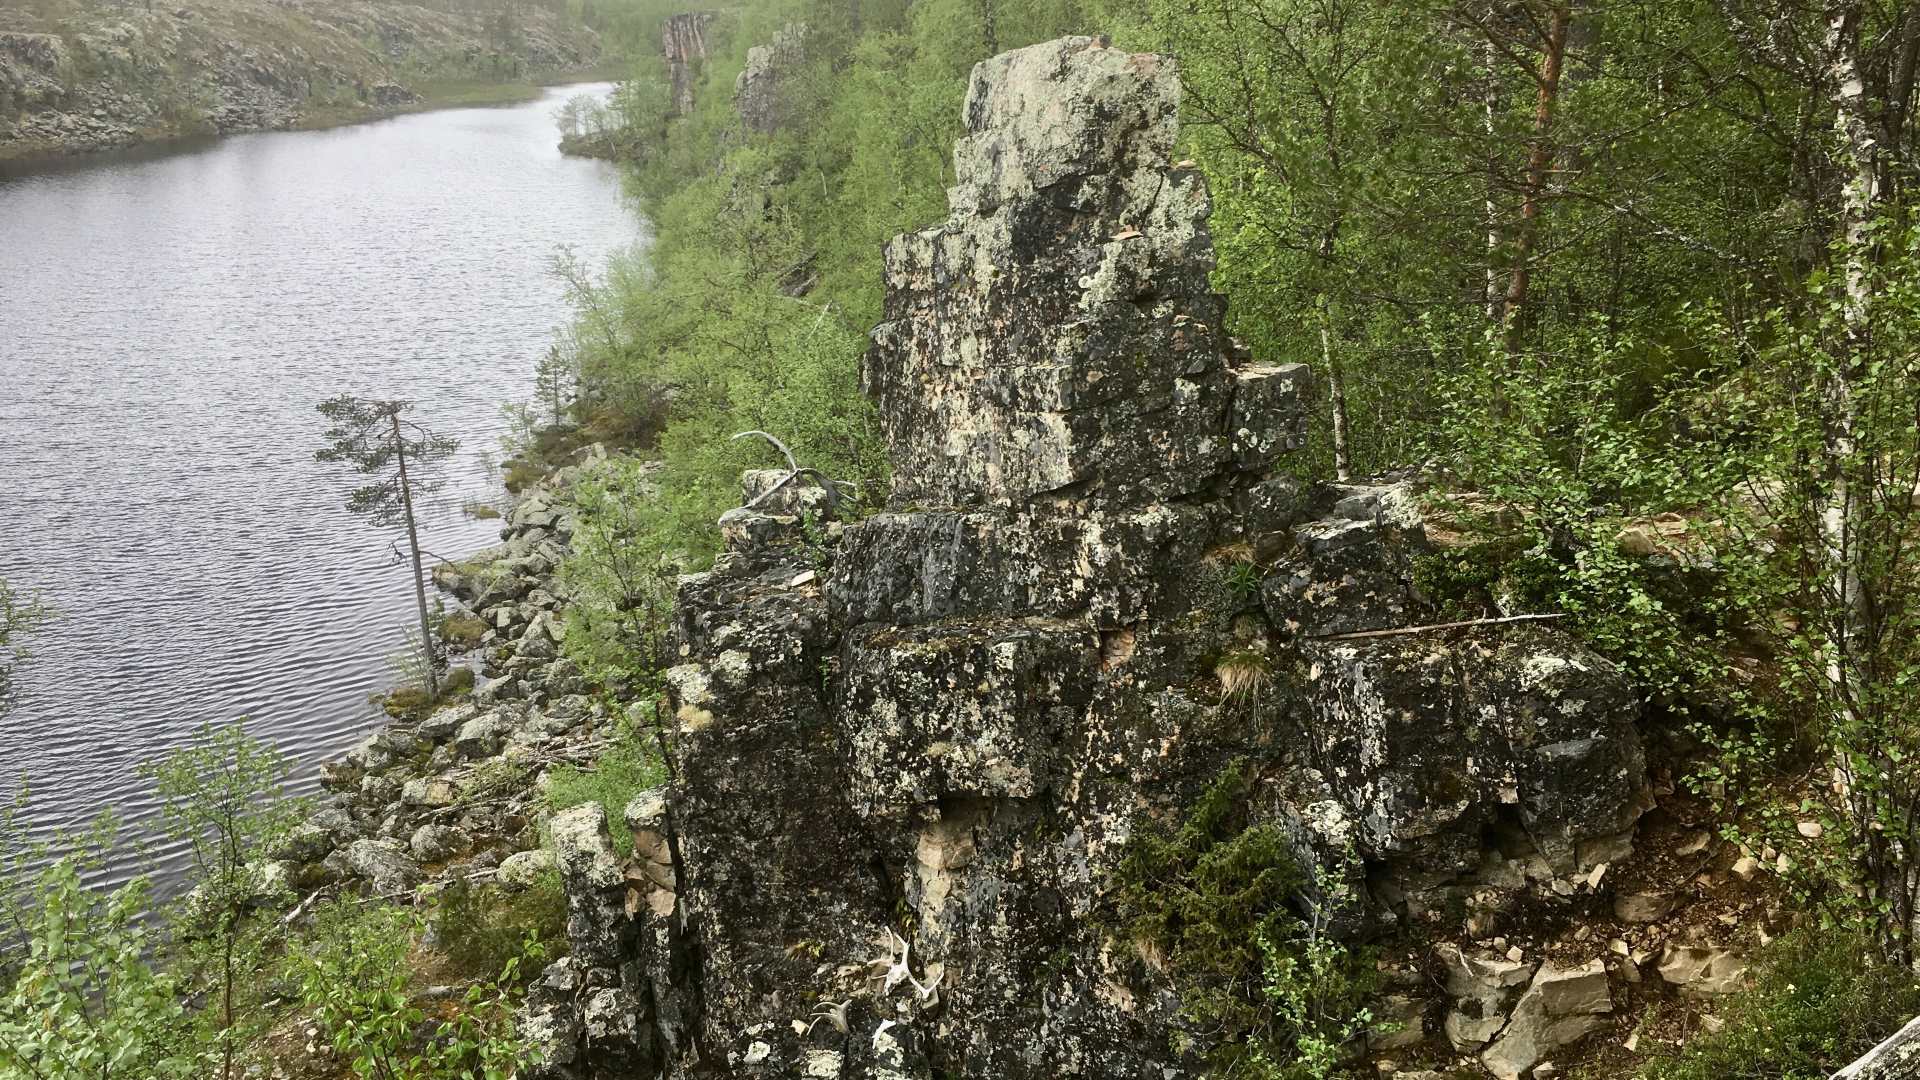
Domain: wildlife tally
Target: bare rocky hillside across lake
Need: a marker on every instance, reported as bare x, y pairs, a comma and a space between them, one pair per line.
80, 76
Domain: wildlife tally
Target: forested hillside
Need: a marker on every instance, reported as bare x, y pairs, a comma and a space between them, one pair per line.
82, 75
1625, 287
1261, 539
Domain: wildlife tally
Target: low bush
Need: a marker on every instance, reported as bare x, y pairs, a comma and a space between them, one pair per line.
629, 766
78, 995
1213, 897
1816, 1005
485, 930
355, 978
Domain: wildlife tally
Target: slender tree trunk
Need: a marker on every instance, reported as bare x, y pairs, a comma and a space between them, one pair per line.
419, 575
1844, 484
1337, 396
1900, 84
1490, 111
1859, 195
226, 999
1539, 162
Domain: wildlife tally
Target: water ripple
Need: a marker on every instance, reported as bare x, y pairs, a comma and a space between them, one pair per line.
166, 328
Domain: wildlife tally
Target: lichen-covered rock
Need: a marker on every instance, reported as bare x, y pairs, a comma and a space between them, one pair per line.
523, 868
593, 1015
910, 753
757, 93
481, 736
432, 843
383, 864
1058, 334
1898, 1058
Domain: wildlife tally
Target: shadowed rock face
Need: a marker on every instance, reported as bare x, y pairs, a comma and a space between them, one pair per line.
909, 751
759, 93
683, 41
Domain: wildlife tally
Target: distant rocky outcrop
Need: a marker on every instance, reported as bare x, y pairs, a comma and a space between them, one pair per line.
683, 42
758, 92
115, 75
910, 752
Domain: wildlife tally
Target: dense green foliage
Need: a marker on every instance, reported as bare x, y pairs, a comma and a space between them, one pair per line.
81, 996
1813, 1004
355, 976
103, 982
1222, 903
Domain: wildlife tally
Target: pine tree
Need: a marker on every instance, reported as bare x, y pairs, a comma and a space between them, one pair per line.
372, 436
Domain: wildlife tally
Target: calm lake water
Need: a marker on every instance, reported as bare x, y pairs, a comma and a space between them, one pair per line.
166, 329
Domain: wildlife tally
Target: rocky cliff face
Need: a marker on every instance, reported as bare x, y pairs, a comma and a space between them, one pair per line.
910, 752
757, 93
119, 75
683, 41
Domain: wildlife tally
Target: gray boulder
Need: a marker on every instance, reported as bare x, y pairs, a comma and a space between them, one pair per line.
523, 868
481, 736
432, 843
382, 864
1560, 1007
1703, 970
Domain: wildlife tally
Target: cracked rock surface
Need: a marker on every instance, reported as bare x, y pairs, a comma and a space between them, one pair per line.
908, 751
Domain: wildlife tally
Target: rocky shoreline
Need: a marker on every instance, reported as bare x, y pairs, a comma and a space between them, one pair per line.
456, 793
125, 77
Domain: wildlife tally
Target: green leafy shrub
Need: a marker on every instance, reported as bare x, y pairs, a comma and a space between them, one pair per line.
485, 929
354, 977
620, 573
82, 997
1816, 1004
221, 801
1212, 897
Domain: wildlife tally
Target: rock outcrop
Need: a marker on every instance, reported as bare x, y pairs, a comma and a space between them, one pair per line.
683, 42
758, 92
911, 752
